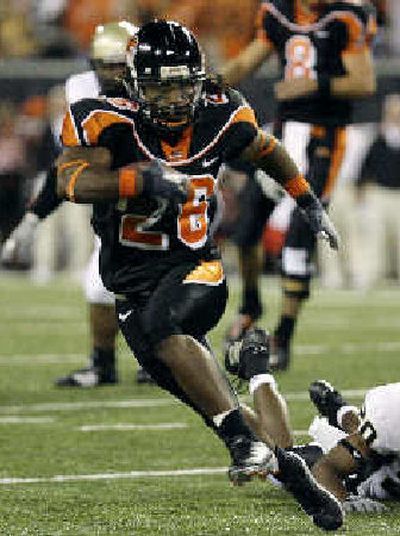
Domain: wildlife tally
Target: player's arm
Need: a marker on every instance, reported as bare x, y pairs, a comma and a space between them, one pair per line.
342, 460
247, 61
85, 175
266, 153
21, 238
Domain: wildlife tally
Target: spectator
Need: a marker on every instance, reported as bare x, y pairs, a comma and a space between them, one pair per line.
379, 192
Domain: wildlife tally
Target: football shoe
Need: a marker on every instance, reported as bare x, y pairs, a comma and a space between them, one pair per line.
87, 377
250, 458
326, 399
317, 502
248, 356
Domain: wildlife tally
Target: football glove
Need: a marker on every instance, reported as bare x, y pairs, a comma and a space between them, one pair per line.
161, 181
318, 219
20, 240
362, 505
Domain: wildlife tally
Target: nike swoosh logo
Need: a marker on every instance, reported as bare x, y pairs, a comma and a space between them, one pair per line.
208, 163
124, 316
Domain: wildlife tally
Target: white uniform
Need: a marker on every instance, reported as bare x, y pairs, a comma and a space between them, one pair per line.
82, 86
381, 418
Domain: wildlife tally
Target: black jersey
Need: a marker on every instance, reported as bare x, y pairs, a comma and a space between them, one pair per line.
143, 237
313, 47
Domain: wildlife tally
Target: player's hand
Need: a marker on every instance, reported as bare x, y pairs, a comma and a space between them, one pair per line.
294, 88
362, 505
20, 240
165, 182
318, 219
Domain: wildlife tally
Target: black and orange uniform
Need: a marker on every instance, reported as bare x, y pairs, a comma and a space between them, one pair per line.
313, 128
158, 256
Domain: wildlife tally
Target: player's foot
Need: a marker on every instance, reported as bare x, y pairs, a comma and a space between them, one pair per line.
325, 510
250, 458
142, 376
310, 453
250, 355
280, 354
87, 377
326, 399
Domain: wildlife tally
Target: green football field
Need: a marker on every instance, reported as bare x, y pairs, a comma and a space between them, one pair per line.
128, 459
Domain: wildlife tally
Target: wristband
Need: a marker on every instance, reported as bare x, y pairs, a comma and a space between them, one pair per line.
324, 85
297, 186
127, 182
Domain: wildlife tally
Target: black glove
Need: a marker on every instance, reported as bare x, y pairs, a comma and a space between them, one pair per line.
318, 219
159, 181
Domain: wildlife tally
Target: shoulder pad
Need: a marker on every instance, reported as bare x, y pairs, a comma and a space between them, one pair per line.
88, 118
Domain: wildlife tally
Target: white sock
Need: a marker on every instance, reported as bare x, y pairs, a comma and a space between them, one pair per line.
218, 419
260, 379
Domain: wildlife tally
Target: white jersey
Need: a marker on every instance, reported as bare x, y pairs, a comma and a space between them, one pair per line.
86, 86
82, 86
381, 418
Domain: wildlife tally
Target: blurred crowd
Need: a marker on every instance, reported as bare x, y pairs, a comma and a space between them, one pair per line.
62, 29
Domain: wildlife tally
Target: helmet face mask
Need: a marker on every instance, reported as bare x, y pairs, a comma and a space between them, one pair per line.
165, 74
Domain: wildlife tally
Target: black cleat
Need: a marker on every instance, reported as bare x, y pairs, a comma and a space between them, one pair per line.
280, 355
250, 458
326, 399
250, 355
317, 502
87, 377
142, 376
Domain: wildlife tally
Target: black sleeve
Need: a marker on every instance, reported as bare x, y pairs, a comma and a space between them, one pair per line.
368, 168
47, 200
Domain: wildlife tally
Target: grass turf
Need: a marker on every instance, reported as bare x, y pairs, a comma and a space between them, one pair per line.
351, 339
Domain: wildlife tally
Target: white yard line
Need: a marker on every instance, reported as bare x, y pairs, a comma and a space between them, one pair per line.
299, 349
115, 476
142, 403
26, 420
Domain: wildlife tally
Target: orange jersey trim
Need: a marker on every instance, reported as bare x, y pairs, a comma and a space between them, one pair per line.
99, 120
261, 34
181, 149
297, 186
245, 115
69, 136
206, 273
127, 182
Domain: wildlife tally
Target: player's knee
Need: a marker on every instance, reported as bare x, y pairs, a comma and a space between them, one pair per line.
296, 288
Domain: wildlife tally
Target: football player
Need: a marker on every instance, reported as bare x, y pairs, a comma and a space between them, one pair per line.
355, 453
149, 165
364, 443
107, 58
325, 61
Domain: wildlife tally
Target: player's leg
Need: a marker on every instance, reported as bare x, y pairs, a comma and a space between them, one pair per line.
249, 361
324, 149
188, 302
255, 208
103, 327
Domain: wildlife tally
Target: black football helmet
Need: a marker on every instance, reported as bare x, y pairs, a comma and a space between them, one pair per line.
165, 74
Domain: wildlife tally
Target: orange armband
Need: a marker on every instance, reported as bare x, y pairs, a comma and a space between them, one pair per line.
127, 182
76, 168
297, 186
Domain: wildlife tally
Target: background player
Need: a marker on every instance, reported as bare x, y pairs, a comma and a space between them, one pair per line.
325, 60
107, 58
156, 251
